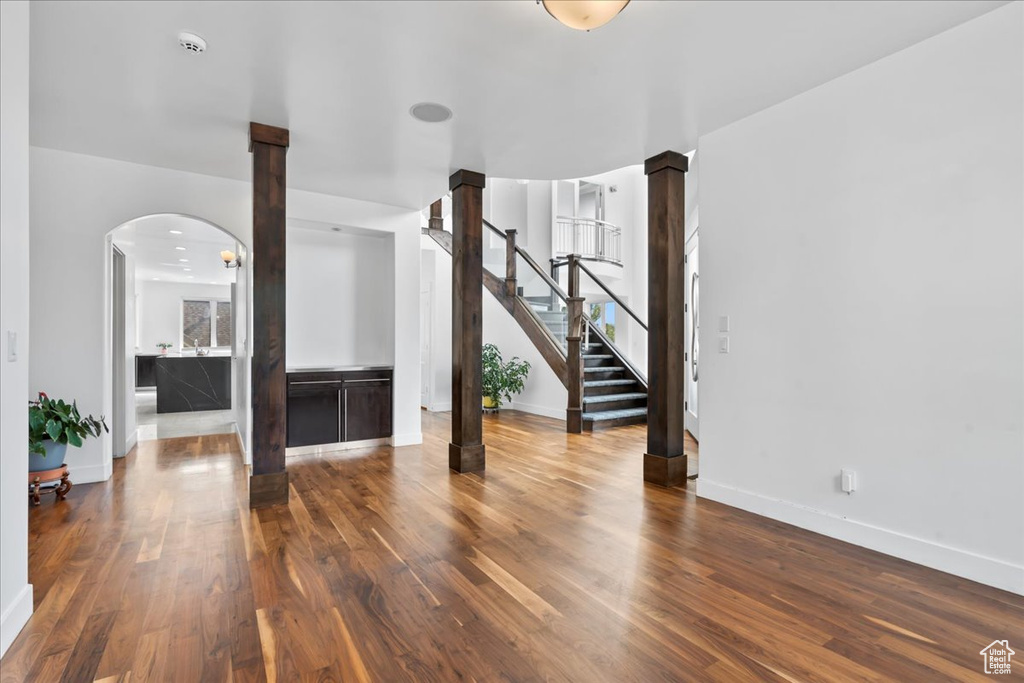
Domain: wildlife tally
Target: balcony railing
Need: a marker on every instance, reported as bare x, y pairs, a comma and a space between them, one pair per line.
588, 238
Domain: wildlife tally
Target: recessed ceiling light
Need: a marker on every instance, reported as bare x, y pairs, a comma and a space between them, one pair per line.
174, 232
430, 112
180, 248
155, 279
191, 277
183, 260
188, 270
190, 42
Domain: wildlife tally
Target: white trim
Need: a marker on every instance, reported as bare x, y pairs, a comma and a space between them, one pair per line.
89, 474
411, 439
15, 617
323, 448
241, 444
440, 407
987, 570
131, 442
543, 411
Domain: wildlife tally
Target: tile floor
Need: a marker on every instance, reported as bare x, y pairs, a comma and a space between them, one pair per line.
153, 425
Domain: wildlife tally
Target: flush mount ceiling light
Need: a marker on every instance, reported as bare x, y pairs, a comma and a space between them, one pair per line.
584, 15
190, 42
430, 112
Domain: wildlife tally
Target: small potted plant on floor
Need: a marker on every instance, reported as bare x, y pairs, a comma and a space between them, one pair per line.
52, 425
501, 380
164, 346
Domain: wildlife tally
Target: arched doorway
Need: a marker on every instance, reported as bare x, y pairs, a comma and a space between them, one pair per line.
178, 333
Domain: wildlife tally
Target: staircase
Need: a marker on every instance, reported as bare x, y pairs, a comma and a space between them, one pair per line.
612, 391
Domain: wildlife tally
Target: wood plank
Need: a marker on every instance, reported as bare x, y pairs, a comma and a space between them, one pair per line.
555, 565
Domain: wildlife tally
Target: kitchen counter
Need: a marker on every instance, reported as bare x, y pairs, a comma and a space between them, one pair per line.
337, 368
192, 383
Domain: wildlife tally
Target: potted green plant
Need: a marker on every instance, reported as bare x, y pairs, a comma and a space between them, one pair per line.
164, 346
52, 425
501, 380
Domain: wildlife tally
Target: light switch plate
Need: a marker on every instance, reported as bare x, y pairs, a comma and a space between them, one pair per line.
723, 345
723, 323
12, 346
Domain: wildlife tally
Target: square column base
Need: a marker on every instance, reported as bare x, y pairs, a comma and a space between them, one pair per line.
266, 490
464, 459
664, 471
573, 421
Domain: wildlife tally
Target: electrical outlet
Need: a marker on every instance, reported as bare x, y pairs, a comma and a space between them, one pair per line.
723, 345
12, 346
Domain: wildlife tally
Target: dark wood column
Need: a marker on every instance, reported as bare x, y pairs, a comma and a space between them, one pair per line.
466, 451
436, 221
510, 263
268, 484
665, 460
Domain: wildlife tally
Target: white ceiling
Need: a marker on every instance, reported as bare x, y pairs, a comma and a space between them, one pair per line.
532, 99
157, 255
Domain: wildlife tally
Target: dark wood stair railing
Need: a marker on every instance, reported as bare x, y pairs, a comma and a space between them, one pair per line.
605, 389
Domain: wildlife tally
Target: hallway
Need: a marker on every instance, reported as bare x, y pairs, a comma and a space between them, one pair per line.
558, 564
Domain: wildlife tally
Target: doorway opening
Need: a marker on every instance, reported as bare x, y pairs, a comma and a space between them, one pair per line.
179, 331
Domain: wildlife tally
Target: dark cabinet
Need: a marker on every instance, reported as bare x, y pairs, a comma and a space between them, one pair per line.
367, 409
145, 371
314, 413
336, 406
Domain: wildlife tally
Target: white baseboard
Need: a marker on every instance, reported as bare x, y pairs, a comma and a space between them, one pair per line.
15, 617
986, 570
89, 474
440, 407
544, 411
411, 439
132, 441
241, 445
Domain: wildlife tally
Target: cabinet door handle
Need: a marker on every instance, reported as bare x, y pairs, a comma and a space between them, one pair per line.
343, 419
340, 439
318, 381
374, 379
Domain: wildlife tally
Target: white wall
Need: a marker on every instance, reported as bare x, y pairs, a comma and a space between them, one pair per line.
338, 286
866, 239
160, 310
436, 275
77, 199
131, 340
15, 590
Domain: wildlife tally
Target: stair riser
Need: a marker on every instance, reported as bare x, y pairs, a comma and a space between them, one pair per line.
599, 362
589, 426
614, 374
604, 391
616, 405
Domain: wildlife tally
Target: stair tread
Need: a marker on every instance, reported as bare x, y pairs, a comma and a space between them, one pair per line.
608, 382
613, 398
601, 415
607, 368
602, 356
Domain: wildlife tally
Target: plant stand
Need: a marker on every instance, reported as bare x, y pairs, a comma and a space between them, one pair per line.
59, 475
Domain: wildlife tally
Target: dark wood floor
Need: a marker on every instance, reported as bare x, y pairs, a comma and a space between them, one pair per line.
557, 564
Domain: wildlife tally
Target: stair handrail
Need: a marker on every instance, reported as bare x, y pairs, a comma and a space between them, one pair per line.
612, 294
533, 264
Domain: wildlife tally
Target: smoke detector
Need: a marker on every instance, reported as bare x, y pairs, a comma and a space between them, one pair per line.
190, 42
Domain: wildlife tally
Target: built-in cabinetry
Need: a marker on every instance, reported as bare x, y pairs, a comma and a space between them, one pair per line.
145, 370
338, 405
